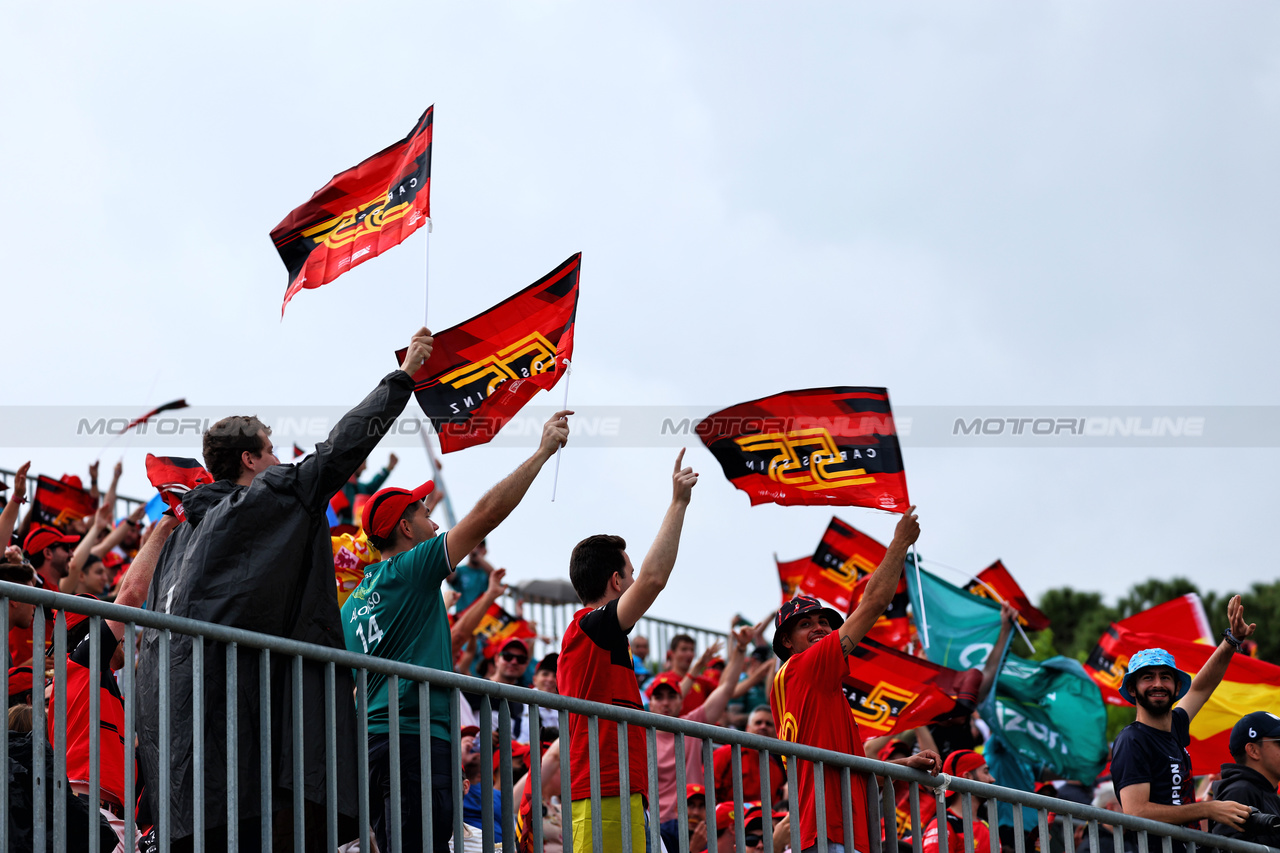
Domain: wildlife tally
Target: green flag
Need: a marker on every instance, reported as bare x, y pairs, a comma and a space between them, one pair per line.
963, 628
1050, 714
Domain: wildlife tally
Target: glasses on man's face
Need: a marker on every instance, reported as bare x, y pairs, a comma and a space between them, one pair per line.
513, 657
754, 840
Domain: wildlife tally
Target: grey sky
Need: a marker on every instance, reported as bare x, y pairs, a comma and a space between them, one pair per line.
972, 204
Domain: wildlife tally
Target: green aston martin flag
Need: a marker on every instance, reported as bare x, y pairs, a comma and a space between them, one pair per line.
963, 628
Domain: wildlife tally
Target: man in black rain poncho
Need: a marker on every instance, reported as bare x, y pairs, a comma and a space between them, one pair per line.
255, 554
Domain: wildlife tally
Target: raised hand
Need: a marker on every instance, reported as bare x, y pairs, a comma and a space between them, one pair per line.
1235, 616
682, 481
391, 462
908, 529
555, 433
418, 352
1008, 615
20, 483
116, 471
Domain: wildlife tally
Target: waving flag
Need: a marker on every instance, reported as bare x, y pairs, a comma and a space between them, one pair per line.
963, 628
167, 407
891, 691
498, 626
360, 214
844, 555
1249, 685
893, 627
57, 503
174, 476
996, 577
791, 574
832, 446
481, 372
352, 554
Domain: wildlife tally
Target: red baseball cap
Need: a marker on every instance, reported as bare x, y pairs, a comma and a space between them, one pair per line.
383, 510
724, 815
670, 678
693, 789
962, 761
518, 750
46, 537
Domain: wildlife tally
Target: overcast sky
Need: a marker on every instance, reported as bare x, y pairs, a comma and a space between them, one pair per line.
979, 204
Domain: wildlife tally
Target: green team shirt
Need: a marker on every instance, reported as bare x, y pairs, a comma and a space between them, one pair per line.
397, 613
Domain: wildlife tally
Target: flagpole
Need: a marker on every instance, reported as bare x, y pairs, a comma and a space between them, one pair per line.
924, 619
991, 589
426, 273
437, 472
568, 370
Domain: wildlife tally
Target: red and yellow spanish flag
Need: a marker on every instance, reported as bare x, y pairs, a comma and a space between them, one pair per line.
358, 215
1249, 685
352, 554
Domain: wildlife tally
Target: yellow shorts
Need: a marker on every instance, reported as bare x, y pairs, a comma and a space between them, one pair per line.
610, 824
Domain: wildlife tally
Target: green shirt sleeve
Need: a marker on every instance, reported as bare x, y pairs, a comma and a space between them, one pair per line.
427, 563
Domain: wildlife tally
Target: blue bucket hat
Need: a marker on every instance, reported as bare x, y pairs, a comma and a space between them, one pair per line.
1146, 659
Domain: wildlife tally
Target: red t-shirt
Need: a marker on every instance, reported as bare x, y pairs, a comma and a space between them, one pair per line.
810, 707
110, 728
955, 835
722, 756
595, 664
698, 693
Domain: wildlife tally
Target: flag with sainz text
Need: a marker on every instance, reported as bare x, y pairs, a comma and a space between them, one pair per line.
820, 446
891, 691
843, 556
359, 214
484, 370
57, 503
995, 582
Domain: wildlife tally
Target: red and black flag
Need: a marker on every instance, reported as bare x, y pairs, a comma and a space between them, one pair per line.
498, 626
360, 214
844, 555
891, 691
893, 627
791, 574
167, 407
834, 446
996, 577
481, 372
58, 503
174, 476
298, 452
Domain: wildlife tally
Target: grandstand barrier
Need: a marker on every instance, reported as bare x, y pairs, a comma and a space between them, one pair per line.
880, 806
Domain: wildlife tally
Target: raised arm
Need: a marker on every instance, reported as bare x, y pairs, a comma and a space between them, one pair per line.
465, 625
110, 500
499, 501
1210, 675
18, 495
137, 580
763, 670
992, 667
117, 534
657, 565
719, 698
882, 585
80, 556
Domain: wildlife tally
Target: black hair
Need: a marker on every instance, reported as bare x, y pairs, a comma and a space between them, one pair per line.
593, 563
227, 439
383, 542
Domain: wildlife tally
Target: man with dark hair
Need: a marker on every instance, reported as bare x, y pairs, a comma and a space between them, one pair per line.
1252, 779
398, 613
255, 554
596, 664
694, 686
966, 764
50, 554
1149, 760
809, 705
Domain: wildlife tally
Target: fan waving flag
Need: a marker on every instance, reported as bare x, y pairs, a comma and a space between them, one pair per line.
832, 446
360, 214
996, 577
174, 476
481, 372
844, 555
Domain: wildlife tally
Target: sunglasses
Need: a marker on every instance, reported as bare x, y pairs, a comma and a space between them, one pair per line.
753, 840
515, 657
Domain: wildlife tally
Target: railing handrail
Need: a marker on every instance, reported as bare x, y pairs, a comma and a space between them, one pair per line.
643, 719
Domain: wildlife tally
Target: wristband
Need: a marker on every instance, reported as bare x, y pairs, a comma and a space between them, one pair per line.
1231, 638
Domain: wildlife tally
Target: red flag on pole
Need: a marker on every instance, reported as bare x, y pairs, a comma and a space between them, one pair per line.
996, 577
1182, 617
360, 214
167, 407
790, 575
844, 555
892, 691
498, 626
57, 503
833, 446
481, 372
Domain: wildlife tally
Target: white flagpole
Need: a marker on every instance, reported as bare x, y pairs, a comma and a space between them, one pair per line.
568, 371
426, 272
924, 619
994, 595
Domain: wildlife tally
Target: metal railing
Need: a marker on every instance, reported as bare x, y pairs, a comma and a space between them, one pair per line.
879, 810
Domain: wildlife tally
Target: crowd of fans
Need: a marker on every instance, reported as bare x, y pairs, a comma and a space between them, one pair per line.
421, 598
